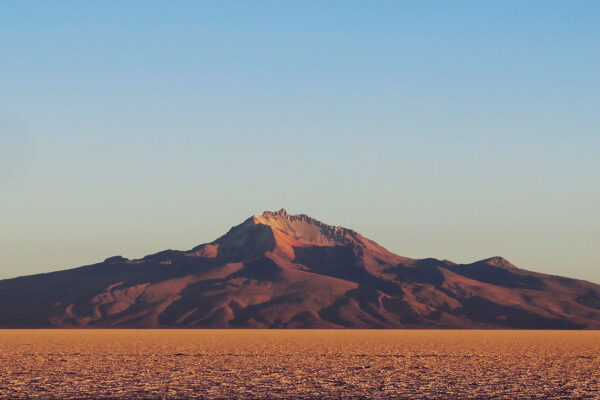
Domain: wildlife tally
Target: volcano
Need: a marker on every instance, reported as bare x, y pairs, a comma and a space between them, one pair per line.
277, 270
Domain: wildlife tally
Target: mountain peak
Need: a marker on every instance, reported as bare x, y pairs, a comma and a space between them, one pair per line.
305, 229
281, 213
498, 261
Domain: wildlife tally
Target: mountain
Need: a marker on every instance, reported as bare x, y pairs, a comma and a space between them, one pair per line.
277, 270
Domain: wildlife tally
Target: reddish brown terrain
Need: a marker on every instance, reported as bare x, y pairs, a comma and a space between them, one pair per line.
291, 271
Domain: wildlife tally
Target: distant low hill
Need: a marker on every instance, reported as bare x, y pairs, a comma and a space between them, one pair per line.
291, 271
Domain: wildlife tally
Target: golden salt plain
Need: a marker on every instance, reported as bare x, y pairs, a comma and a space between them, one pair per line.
380, 364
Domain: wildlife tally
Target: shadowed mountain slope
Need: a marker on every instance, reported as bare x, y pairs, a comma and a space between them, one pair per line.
291, 271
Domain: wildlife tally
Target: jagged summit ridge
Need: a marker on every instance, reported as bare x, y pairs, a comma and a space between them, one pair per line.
281, 213
306, 229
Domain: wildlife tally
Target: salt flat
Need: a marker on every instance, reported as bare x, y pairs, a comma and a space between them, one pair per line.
416, 364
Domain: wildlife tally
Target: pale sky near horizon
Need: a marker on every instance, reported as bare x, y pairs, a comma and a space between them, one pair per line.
457, 130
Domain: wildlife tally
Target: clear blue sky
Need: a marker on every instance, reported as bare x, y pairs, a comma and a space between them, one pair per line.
455, 130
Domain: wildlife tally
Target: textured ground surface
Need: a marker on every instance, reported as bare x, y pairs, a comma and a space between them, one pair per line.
299, 364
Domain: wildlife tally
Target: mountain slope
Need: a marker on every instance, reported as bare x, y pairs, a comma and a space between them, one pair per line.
291, 271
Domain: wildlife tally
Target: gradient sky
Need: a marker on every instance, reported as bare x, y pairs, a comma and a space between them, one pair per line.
456, 130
